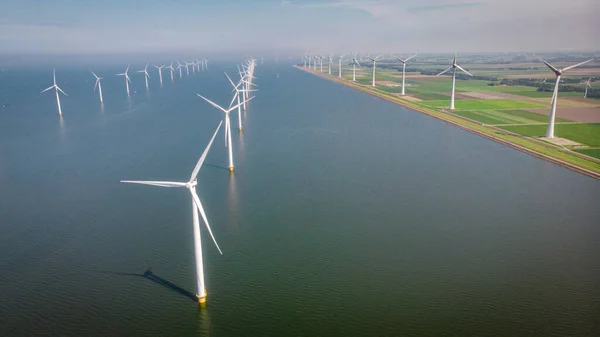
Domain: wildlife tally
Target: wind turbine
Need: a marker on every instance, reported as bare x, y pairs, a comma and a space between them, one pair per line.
146, 75
340, 57
354, 63
179, 66
453, 67
404, 69
196, 207
159, 72
187, 69
587, 85
558, 73
321, 62
57, 89
374, 65
127, 80
170, 67
98, 85
330, 56
237, 94
227, 126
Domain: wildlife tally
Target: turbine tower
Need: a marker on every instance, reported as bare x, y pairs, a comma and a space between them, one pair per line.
558, 73
170, 67
159, 72
56, 89
354, 63
179, 67
374, 65
127, 80
404, 69
453, 67
329, 65
196, 207
227, 126
340, 58
146, 75
98, 85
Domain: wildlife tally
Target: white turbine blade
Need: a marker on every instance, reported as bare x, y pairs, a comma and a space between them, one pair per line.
355, 60
204, 154
59, 89
550, 66
201, 209
233, 99
96, 85
230, 81
46, 89
577, 65
96, 76
464, 71
127, 77
378, 56
401, 60
410, 58
155, 183
140, 71
212, 103
445, 71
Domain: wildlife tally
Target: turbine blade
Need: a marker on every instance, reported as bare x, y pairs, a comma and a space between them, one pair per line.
204, 154
464, 71
230, 81
556, 71
201, 209
155, 183
212, 103
577, 65
46, 89
445, 71
59, 89
410, 58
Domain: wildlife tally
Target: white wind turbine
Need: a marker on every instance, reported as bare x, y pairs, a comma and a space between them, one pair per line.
227, 126
374, 65
99, 85
340, 58
330, 57
170, 67
56, 89
196, 207
587, 85
127, 80
159, 72
404, 69
558, 73
354, 63
453, 67
187, 69
237, 94
321, 62
146, 75
179, 67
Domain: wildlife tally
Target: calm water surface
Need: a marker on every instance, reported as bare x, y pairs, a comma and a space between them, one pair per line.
346, 216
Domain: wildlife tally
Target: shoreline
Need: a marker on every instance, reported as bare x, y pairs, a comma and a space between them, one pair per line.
527, 145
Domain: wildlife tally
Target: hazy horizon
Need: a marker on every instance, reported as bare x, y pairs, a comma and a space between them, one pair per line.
286, 27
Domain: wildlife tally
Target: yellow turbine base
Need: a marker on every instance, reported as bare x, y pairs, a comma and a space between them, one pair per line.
240, 128
202, 299
231, 169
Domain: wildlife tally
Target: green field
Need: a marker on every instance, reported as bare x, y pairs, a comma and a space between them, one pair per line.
584, 133
495, 117
590, 152
483, 104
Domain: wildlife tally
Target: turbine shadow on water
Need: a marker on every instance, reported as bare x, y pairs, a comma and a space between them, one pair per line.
148, 274
217, 167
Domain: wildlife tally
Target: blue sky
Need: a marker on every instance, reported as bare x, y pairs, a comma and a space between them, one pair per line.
179, 26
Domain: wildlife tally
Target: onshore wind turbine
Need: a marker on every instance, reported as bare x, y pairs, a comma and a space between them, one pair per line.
56, 89
196, 207
329, 65
558, 73
587, 85
354, 63
340, 57
374, 65
453, 67
159, 72
99, 85
127, 80
404, 69
146, 75
227, 126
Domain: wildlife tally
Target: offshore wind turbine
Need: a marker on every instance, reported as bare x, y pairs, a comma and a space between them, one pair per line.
187, 69
159, 72
98, 85
179, 66
146, 75
587, 85
237, 94
56, 89
196, 207
558, 73
404, 69
227, 126
170, 67
354, 63
127, 80
330, 56
340, 57
374, 65
453, 67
